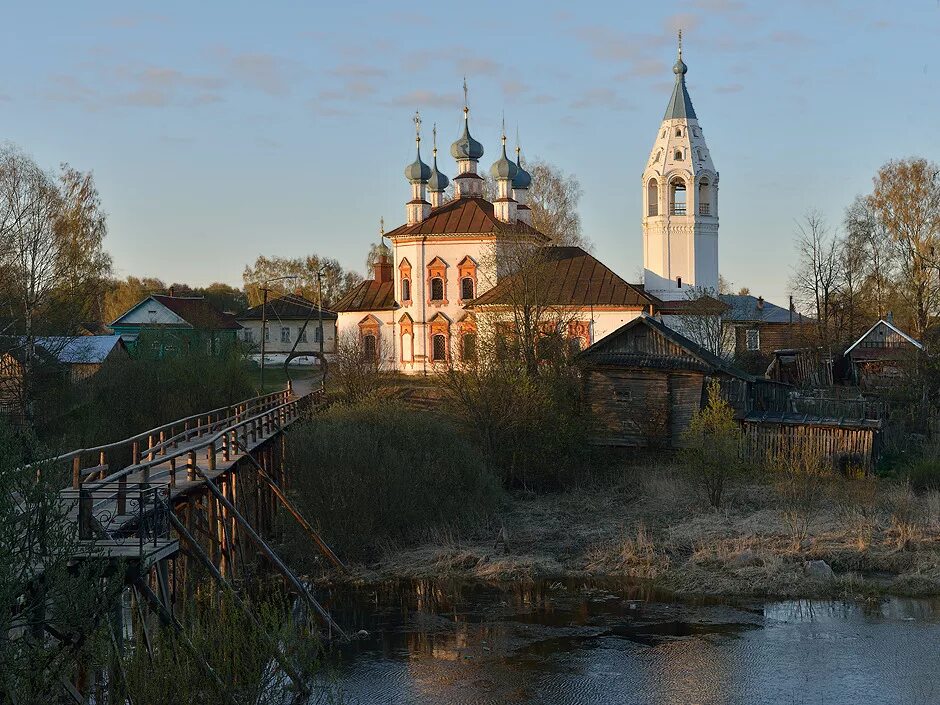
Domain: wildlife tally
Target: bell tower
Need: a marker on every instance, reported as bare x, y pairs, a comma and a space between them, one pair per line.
680, 202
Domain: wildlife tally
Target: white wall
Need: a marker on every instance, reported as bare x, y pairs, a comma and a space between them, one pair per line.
251, 335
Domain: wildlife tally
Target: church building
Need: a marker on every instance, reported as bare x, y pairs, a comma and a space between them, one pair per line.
445, 271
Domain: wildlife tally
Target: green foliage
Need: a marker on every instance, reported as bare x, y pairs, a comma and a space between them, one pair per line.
129, 396
378, 472
923, 474
531, 428
712, 451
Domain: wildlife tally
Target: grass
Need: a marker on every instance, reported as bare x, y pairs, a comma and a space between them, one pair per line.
275, 378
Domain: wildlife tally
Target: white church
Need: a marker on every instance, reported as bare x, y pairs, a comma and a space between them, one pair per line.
419, 311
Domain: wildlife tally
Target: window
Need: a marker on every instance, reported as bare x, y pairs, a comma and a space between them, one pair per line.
437, 289
704, 208
678, 132
678, 197
623, 394
369, 350
753, 339
466, 288
302, 334
652, 197
285, 334
318, 334
267, 334
679, 282
406, 290
469, 346
438, 348
678, 155
249, 335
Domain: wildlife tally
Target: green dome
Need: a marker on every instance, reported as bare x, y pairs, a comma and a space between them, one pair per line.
437, 181
417, 171
680, 68
504, 168
523, 179
466, 147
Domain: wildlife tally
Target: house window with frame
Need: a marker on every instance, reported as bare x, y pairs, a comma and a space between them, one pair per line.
369, 348
437, 289
285, 334
267, 334
466, 288
439, 348
317, 334
406, 290
752, 336
302, 334
249, 336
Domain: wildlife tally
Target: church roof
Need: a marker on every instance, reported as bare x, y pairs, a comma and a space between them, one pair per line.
371, 295
680, 104
463, 216
571, 277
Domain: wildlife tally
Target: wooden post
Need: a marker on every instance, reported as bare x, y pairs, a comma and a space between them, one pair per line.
210, 456
191, 465
122, 495
135, 452
76, 472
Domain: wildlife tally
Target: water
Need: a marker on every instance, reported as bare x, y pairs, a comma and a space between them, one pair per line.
590, 644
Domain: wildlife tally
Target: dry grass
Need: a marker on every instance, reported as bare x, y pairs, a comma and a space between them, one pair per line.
653, 525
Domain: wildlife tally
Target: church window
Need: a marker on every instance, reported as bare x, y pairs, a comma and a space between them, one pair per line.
652, 197
678, 132
468, 351
678, 155
753, 339
369, 349
679, 282
466, 288
406, 290
437, 289
664, 133
439, 348
677, 201
704, 207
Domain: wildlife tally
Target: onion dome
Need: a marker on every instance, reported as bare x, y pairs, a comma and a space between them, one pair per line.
522, 179
504, 168
418, 172
466, 147
437, 181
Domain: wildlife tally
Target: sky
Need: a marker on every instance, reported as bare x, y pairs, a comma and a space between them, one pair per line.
219, 131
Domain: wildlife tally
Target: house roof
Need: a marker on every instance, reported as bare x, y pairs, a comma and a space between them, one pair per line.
745, 308
289, 307
572, 278
890, 325
603, 352
82, 349
464, 216
371, 295
195, 310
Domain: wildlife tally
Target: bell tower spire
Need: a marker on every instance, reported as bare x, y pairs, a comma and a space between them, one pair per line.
680, 201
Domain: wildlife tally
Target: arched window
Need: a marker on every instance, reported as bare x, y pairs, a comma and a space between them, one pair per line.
406, 290
679, 282
468, 349
369, 348
678, 132
701, 154
677, 199
678, 155
466, 288
439, 348
659, 155
704, 207
652, 197
437, 289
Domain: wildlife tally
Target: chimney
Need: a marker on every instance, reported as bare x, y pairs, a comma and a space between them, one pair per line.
760, 303
382, 269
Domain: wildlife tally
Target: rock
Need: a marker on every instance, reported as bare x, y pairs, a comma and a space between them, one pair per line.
818, 570
745, 558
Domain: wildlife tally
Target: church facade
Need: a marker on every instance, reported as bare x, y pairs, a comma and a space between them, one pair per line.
446, 272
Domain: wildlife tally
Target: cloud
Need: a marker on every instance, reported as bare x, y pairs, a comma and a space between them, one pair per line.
262, 72
790, 38
66, 88
514, 88
642, 68
412, 19
730, 88
477, 66
598, 98
542, 99
427, 99
686, 21
358, 71
156, 86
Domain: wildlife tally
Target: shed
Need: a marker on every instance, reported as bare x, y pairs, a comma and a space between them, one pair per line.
644, 381
878, 357
83, 355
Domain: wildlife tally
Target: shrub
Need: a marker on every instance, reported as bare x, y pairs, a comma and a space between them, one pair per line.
712, 442
377, 472
923, 474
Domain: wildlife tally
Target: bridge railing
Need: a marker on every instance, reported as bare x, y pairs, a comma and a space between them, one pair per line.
95, 463
183, 461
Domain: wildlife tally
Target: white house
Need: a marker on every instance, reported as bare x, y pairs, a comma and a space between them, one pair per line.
292, 324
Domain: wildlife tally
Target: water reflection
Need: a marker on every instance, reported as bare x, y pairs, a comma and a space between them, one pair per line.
581, 642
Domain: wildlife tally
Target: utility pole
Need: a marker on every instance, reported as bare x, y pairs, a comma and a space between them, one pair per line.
264, 328
320, 310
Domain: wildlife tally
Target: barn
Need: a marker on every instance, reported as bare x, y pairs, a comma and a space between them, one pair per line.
644, 381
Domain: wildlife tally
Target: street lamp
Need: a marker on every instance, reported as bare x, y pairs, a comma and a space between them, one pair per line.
264, 318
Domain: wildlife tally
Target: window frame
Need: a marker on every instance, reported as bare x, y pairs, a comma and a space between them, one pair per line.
435, 337
752, 339
443, 295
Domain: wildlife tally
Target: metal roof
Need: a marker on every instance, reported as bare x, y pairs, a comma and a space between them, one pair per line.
463, 216
371, 295
893, 327
289, 307
680, 104
80, 350
752, 309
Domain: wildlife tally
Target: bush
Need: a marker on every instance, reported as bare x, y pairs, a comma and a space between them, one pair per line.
923, 474
377, 472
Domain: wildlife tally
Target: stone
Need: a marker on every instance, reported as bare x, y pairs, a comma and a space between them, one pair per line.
818, 570
746, 557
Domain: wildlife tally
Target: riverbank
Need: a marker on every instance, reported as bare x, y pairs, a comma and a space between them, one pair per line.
651, 523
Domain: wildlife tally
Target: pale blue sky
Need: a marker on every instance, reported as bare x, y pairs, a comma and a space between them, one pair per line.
218, 131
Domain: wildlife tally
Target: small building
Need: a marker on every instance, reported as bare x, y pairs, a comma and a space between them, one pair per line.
166, 325
366, 316
644, 382
84, 355
761, 327
878, 358
289, 320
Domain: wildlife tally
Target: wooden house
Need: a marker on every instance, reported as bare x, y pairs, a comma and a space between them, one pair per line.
878, 358
644, 382
83, 355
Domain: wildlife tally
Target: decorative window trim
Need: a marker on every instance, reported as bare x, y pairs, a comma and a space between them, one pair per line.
406, 327
439, 325
436, 269
466, 269
370, 325
404, 275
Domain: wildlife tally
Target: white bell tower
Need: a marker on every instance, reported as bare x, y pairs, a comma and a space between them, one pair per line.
680, 202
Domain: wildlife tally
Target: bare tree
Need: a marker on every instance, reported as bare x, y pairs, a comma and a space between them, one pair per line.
336, 281
554, 197
872, 245
906, 202
816, 279
705, 320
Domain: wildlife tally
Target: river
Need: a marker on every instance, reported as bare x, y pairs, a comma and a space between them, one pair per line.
590, 644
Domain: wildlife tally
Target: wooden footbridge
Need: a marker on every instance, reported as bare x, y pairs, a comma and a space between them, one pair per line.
203, 489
